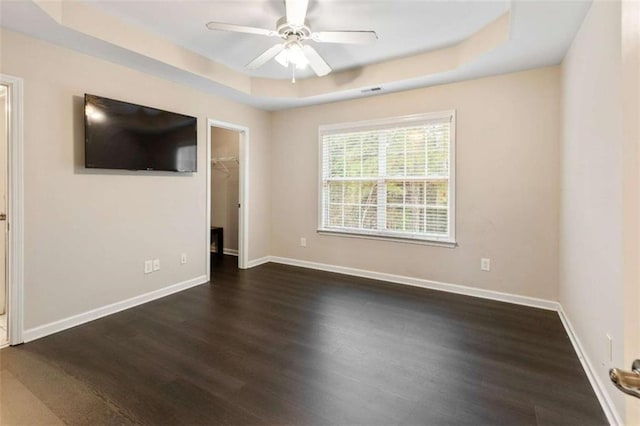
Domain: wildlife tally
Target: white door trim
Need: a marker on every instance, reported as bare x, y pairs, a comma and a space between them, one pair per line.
15, 209
243, 194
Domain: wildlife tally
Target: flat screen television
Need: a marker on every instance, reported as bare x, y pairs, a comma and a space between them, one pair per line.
120, 135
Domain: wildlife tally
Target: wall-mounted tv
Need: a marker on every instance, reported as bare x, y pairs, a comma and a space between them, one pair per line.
120, 135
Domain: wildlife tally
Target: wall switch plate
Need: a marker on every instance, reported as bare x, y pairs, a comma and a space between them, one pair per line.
156, 264
183, 258
485, 264
148, 266
303, 242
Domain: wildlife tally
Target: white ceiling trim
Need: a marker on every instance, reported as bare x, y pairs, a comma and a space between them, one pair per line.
531, 35
86, 19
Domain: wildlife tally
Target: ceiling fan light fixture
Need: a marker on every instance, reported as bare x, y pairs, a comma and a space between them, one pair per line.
293, 54
294, 29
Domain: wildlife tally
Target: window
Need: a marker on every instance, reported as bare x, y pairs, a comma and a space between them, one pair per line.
390, 178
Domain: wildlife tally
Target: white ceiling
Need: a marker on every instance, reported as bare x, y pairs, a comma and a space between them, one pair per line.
540, 34
403, 27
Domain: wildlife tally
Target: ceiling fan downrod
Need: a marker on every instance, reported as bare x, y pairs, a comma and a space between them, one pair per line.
294, 29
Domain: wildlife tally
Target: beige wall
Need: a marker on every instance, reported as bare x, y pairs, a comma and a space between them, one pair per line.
591, 268
508, 145
520, 191
87, 233
225, 184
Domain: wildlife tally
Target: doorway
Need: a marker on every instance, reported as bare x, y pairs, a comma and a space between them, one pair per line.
227, 203
11, 209
4, 141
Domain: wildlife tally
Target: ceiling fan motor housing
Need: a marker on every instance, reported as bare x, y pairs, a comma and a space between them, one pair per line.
294, 29
292, 33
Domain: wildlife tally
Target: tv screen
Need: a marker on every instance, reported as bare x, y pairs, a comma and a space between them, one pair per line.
120, 135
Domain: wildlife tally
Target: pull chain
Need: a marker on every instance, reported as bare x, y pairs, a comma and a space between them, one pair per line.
293, 73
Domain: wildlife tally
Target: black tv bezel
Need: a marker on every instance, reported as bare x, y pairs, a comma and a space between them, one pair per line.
149, 169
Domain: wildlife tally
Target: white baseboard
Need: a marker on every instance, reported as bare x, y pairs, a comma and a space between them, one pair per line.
230, 252
607, 404
419, 282
63, 324
608, 407
260, 261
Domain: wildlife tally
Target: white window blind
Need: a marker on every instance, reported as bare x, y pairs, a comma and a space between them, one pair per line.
390, 178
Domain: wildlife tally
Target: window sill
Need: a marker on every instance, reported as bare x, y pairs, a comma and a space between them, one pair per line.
436, 243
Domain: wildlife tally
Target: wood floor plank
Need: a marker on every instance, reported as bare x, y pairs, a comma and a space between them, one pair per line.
283, 345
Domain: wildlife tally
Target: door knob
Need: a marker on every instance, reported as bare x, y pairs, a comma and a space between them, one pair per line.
627, 381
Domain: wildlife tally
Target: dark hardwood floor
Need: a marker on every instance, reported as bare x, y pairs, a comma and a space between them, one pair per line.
280, 345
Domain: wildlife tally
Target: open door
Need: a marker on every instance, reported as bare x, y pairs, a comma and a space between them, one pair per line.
4, 140
627, 377
11, 207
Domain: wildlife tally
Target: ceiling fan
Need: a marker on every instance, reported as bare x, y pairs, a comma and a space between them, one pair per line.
295, 31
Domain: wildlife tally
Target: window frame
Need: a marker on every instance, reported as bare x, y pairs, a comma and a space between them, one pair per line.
385, 123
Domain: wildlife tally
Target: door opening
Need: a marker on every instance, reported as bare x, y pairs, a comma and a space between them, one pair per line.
227, 194
4, 140
11, 209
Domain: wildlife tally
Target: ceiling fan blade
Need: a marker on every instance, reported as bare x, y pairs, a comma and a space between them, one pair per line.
317, 64
220, 26
296, 12
348, 37
267, 55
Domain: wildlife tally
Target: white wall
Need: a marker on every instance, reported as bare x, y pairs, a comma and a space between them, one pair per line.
591, 285
508, 146
87, 232
225, 184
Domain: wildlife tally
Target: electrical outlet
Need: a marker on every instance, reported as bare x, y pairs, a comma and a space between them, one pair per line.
148, 266
183, 258
485, 264
156, 264
303, 242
